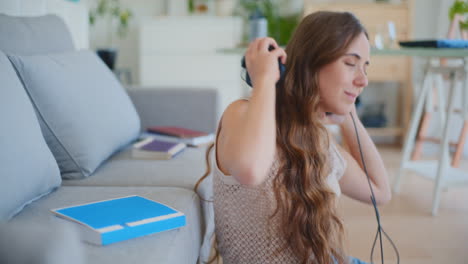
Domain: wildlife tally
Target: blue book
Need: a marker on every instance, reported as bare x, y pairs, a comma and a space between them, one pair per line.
110, 221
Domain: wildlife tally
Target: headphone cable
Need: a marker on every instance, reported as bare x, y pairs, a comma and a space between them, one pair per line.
374, 203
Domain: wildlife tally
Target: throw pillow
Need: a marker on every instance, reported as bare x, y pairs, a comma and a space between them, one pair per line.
28, 170
84, 112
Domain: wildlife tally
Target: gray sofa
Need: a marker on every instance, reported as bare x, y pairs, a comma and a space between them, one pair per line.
67, 126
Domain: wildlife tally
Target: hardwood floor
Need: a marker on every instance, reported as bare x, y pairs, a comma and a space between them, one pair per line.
419, 236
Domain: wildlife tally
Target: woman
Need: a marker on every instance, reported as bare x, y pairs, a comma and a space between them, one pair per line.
277, 172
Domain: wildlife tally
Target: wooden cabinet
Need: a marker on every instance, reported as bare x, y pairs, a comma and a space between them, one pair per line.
375, 16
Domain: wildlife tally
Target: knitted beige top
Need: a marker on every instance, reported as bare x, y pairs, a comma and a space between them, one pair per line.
244, 230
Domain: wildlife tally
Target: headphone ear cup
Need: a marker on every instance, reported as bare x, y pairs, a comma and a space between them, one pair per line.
282, 69
247, 77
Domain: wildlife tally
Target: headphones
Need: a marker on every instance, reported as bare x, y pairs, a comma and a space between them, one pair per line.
380, 229
282, 68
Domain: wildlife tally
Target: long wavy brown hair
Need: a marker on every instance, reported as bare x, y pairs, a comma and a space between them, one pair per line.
306, 206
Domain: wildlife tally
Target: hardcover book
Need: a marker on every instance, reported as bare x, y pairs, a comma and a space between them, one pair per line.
151, 148
183, 135
109, 221
176, 131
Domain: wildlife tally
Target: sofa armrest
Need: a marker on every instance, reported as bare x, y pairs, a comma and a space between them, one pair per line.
194, 108
40, 242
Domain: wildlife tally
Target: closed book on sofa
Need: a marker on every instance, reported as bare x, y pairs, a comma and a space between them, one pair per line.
151, 148
179, 134
110, 221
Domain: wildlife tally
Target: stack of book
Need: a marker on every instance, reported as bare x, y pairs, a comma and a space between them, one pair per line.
151, 148
181, 135
114, 220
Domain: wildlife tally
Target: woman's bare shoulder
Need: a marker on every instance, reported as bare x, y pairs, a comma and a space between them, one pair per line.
235, 112
229, 126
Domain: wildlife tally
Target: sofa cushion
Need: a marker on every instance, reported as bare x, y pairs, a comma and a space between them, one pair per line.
183, 170
84, 112
34, 35
175, 246
27, 168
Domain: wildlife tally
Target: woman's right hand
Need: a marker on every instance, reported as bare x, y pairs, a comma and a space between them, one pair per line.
261, 63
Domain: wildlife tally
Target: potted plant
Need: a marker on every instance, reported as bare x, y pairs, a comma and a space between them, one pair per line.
280, 25
117, 20
457, 13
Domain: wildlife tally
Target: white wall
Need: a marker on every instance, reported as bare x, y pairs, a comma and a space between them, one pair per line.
74, 14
